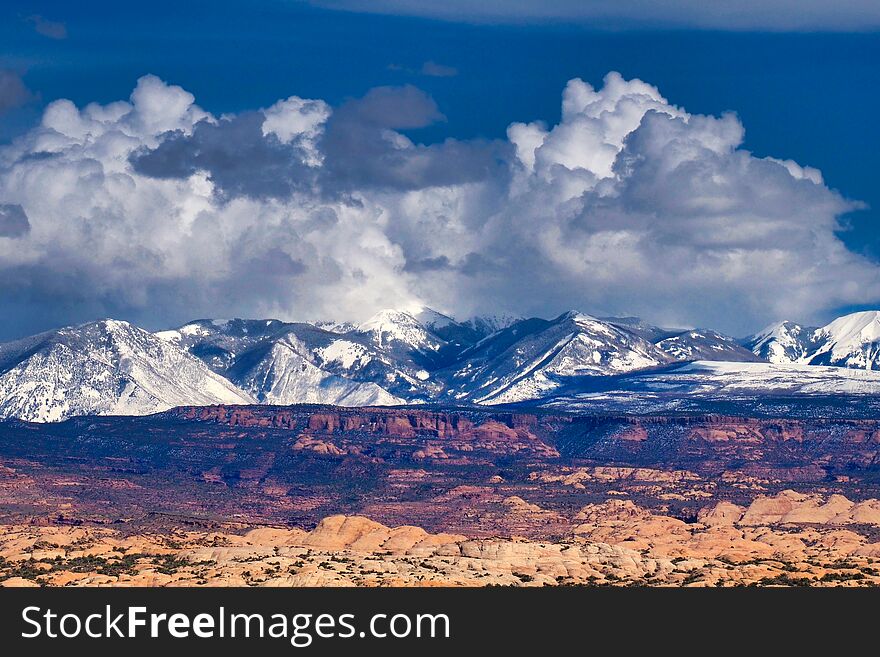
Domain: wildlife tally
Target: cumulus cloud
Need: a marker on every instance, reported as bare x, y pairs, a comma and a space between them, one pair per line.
154, 210
237, 153
300, 121
364, 147
782, 15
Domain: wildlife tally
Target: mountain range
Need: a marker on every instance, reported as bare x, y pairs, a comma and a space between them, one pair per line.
849, 341
111, 367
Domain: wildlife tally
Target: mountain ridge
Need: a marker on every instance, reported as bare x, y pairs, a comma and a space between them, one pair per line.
104, 367
851, 341
415, 357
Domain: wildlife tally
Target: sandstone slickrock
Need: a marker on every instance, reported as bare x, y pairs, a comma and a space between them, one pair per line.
616, 543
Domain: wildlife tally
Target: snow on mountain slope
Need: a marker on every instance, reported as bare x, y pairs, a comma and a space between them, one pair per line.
395, 328
218, 342
767, 389
643, 329
850, 341
314, 365
399, 371
432, 319
344, 355
720, 377
456, 335
485, 325
529, 359
407, 353
106, 367
424, 356
282, 372
336, 327
704, 344
784, 342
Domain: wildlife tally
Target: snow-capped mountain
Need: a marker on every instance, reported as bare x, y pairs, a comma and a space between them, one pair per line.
219, 342
484, 325
288, 371
530, 358
851, 341
396, 331
336, 327
423, 356
104, 368
685, 344
385, 360
643, 329
705, 344
284, 363
457, 335
783, 342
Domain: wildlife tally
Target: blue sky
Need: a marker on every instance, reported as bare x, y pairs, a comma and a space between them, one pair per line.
801, 94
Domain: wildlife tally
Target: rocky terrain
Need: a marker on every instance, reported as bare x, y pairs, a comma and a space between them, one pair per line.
253, 495
787, 540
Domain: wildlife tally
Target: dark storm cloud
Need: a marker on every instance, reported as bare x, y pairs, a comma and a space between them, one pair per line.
360, 148
363, 148
426, 264
398, 108
477, 264
239, 159
13, 221
275, 262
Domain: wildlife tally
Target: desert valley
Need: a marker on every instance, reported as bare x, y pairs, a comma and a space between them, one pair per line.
317, 495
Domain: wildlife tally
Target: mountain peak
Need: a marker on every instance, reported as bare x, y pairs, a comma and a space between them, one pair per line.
775, 329
782, 342
389, 327
104, 367
387, 320
859, 327
850, 341
107, 324
432, 318
413, 314
484, 325
575, 316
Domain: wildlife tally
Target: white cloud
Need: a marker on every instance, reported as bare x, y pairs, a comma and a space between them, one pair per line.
628, 205
300, 120
593, 127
